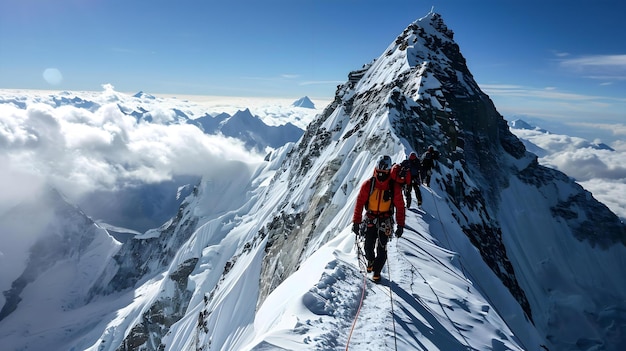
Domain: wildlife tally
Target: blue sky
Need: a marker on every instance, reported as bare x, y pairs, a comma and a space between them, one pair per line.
559, 59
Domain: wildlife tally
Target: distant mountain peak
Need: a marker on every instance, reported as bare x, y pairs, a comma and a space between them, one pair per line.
304, 102
142, 95
249, 128
520, 124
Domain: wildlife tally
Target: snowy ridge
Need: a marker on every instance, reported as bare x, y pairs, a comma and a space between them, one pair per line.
429, 288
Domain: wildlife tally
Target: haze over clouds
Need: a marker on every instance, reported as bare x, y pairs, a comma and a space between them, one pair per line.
80, 150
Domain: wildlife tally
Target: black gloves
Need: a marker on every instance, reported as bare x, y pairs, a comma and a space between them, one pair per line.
399, 231
356, 228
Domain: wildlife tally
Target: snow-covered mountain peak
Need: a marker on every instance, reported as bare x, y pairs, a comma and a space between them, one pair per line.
143, 95
433, 24
531, 135
304, 102
521, 124
423, 54
419, 92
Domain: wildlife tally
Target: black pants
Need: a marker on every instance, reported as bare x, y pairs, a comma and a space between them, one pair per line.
426, 176
376, 236
415, 185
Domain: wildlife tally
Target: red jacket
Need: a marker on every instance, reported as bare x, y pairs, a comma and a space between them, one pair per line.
395, 170
363, 198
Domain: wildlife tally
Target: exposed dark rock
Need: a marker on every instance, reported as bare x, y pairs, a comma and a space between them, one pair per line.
141, 256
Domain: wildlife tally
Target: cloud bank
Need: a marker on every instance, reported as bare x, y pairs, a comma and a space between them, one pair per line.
79, 150
599, 170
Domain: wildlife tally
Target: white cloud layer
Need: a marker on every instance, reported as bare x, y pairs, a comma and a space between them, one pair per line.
80, 150
600, 171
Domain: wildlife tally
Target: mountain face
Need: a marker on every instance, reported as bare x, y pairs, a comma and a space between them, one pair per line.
529, 250
304, 102
67, 248
244, 126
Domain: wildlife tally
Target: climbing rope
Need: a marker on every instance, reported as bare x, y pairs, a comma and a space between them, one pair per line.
360, 258
415, 269
465, 272
363, 267
393, 321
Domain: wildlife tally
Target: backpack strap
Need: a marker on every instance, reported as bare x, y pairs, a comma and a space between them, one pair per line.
370, 194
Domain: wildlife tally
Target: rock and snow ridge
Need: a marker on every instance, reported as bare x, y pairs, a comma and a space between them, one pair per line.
275, 267
249, 128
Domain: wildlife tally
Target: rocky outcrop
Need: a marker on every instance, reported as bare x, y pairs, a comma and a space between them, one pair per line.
145, 255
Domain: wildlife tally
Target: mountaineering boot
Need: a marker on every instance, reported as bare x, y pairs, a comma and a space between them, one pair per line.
370, 266
407, 195
376, 277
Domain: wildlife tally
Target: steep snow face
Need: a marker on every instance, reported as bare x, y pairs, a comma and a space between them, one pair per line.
569, 253
67, 254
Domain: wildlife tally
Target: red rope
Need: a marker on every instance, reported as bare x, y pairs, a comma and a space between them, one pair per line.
357, 311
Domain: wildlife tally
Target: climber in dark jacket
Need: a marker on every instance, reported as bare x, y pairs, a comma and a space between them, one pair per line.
414, 185
428, 162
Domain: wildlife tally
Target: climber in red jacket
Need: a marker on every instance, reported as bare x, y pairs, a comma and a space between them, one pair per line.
380, 196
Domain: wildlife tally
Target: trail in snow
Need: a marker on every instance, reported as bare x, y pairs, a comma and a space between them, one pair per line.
428, 315
433, 305
373, 327
403, 311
